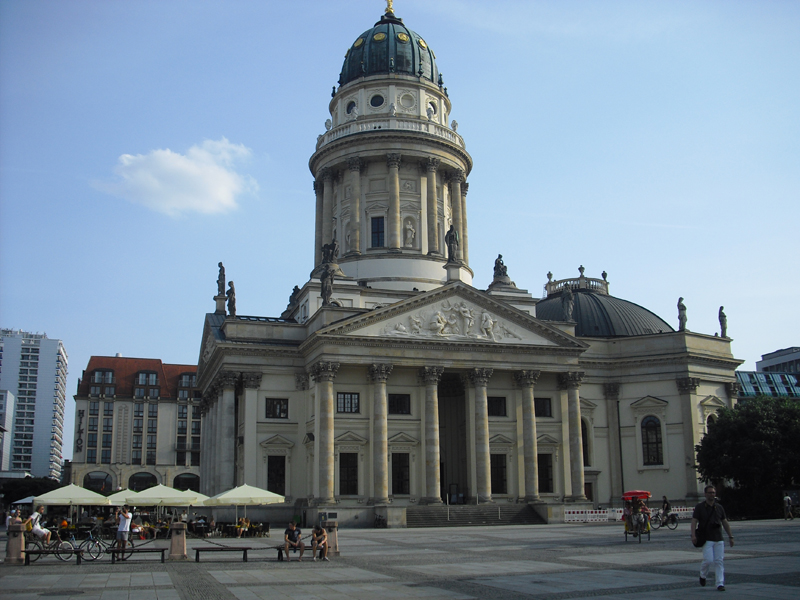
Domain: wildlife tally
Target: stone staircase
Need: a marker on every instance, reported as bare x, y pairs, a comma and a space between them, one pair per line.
472, 516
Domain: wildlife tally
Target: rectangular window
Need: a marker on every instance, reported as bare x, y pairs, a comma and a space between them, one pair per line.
154, 393
401, 479
498, 467
138, 409
108, 409
138, 392
195, 459
545, 473
152, 425
181, 459
543, 408
94, 408
94, 391
348, 474
347, 402
106, 440
91, 440
276, 474
399, 404
183, 394
137, 443
91, 455
181, 427
136, 457
109, 391
181, 442
496, 406
196, 412
151, 457
152, 379
187, 381
277, 408
105, 457
151, 442
195, 443
107, 424
137, 425
152, 411
195, 427
377, 232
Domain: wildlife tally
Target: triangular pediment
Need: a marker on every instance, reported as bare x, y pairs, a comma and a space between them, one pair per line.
277, 441
500, 439
712, 402
650, 402
454, 313
403, 438
308, 439
587, 405
348, 437
546, 440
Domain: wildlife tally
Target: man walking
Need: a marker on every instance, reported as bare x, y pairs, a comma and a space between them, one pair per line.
787, 507
708, 521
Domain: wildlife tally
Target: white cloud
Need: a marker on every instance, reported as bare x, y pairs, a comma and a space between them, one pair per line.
203, 180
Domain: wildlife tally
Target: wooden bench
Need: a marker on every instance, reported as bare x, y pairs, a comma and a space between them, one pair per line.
115, 551
76, 551
241, 549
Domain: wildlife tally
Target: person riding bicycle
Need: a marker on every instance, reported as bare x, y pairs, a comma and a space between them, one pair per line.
36, 525
666, 508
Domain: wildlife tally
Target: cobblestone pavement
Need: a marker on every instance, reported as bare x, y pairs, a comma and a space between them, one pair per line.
541, 562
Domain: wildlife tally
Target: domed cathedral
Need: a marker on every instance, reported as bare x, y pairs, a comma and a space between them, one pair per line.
390, 384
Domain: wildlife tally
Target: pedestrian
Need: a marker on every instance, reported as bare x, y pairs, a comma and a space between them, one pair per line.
123, 529
292, 541
787, 507
708, 521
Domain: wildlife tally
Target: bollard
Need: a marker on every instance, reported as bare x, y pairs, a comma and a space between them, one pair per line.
177, 545
332, 527
16, 544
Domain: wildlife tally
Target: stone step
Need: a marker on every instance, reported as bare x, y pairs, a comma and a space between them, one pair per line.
465, 516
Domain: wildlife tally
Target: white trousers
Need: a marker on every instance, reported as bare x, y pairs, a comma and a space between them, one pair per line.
714, 553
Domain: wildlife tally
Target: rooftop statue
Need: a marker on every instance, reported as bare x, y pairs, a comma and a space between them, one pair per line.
330, 252
567, 303
221, 281
451, 239
231, 299
681, 315
723, 322
500, 269
326, 279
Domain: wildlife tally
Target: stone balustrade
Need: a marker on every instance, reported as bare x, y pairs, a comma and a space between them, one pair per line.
391, 124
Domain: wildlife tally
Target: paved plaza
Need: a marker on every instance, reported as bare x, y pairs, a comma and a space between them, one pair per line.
532, 562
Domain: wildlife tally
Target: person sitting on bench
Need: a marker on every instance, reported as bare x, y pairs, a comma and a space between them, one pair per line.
291, 538
319, 537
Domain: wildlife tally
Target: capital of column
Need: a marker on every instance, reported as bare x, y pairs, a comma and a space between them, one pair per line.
457, 176
251, 380
464, 188
733, 388
480, 377
687, 385
611, 391
431, 375
355, 163
379, 373
430, 164
526, 378
326, 174
324, 371
225, 379
301, 381
393, 160
571, 380
316, 186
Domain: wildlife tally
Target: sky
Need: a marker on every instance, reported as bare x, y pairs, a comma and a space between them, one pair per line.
143, 142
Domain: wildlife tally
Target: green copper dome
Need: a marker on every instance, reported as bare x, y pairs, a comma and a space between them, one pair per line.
389, 47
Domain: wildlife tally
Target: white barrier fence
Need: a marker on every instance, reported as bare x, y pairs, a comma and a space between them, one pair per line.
612, 514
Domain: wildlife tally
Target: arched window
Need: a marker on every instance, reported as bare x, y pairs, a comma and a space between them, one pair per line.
142, 481
651, 441
98, 481
187, 481
585, 442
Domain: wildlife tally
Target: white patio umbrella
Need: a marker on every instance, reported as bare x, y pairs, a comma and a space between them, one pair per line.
189, 498
121, 497
71, 495
159, 495
244, 495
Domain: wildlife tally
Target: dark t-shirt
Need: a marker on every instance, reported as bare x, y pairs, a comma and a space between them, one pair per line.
709, 520
292, 534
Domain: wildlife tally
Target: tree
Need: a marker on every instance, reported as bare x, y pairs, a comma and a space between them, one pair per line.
755, 445
17, 489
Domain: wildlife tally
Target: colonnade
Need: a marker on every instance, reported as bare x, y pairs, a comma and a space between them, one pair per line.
324, 186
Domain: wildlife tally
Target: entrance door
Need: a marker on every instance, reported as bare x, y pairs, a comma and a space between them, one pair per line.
276, 474
453, 435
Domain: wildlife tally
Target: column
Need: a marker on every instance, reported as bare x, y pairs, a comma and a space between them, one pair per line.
526, 380
216, 466
456, 178
572, 383
379, 374
687, 388
324, 374
431, 164
205, 444
251, 383
480, 379
611, 393
318, 185
393, 226
354, 165
433, 480
326, 175
464, 229
227, 429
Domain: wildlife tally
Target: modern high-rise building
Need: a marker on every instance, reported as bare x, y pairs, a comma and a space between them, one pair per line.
7, 404
137, 424
780, 361
33, 367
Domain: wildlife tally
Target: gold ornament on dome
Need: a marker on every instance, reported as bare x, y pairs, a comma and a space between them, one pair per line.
379, 37
390, 7
402, 37
359, 41
422, 43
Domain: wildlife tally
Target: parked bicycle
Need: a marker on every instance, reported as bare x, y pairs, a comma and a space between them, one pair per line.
380, 522
95, 547
659, 519
62, 550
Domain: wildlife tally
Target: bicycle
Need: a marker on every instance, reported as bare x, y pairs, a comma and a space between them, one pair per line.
380, 522
658, 519
63, 551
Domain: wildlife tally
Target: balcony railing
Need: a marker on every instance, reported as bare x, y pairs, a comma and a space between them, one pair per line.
391, 124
